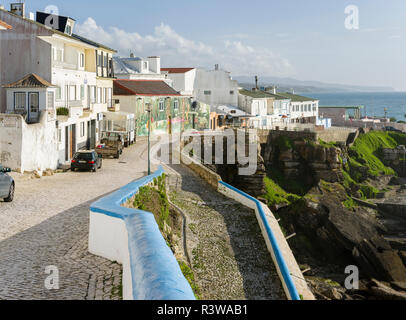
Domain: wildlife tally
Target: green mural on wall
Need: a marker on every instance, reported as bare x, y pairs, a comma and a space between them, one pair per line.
170, 115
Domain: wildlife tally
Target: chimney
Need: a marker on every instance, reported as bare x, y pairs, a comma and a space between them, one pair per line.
256, 82
216, 67
131, 55
31, 16
18, 9
155, 64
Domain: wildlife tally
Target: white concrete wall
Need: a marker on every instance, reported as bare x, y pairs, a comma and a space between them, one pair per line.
28, 147
219, 83
11, 140
108, 238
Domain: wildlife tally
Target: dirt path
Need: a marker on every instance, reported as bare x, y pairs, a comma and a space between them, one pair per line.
229, 256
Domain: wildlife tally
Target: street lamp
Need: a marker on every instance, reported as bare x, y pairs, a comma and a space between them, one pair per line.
148, 109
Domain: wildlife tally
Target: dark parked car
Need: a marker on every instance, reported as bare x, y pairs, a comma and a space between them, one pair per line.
86, 160
7, 185
392, 129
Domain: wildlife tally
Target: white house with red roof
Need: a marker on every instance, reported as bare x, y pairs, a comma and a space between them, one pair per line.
214, 87
183, 79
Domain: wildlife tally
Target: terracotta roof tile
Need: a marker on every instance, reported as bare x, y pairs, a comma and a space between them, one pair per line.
143, 88
5, 25
177, 70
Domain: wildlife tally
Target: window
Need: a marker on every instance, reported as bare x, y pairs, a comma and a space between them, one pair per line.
68, 29
59, 55
104, 95
72, 93
20, 101
207, 92
99, 60
58, 93
82, 129
99, 95
145, 65
92, 93
34, 102
161, 105
231, 92
82, 60
51, 104
105, 62
176, 104
82, 92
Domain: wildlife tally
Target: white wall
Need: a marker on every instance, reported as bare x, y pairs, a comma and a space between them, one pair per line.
28, 147
219, 83
108, 238
11, 140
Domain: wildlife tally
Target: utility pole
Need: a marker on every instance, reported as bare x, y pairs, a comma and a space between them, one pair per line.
149, 137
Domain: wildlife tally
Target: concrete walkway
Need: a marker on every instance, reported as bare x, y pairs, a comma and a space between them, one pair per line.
48, 224
229, 255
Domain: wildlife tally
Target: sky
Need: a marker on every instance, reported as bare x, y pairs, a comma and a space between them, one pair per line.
305, 40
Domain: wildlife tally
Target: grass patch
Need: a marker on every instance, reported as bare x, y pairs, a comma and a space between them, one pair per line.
327, 145
350, 204
276, 195
367, 152
190, 277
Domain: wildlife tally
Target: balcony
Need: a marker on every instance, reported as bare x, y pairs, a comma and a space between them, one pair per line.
64, 65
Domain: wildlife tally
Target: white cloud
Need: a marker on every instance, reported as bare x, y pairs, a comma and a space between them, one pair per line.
177, 51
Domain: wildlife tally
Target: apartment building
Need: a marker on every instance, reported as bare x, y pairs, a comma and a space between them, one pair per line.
78, 74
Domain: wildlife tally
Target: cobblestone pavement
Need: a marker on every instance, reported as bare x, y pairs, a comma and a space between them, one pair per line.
229, 255
48, 223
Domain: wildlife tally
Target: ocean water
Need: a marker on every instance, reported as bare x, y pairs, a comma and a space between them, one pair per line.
374, 103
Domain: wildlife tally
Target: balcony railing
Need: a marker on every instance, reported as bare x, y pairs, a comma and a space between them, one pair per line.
64, 65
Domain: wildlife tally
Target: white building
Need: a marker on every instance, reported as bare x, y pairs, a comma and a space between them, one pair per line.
183, 79
301, 109
212, 87
273, 109
136, 68
266, 107
79, 73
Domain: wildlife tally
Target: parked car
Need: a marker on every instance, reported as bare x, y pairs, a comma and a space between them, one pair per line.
392, 129
86, 160
7, 185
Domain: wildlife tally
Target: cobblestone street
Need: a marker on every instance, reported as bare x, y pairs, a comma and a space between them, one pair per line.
48, 223
228, 253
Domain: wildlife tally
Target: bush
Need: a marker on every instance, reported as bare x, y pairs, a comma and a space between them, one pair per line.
62, 111
284, 143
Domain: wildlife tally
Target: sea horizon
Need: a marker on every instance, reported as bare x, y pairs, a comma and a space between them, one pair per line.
374, 102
